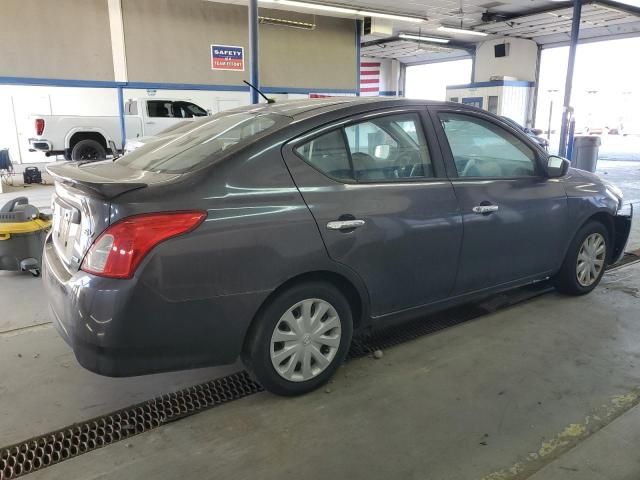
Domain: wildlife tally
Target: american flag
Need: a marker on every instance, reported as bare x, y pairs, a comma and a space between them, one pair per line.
369, 79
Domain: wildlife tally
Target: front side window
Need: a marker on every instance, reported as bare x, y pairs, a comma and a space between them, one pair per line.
483, 149
381, 149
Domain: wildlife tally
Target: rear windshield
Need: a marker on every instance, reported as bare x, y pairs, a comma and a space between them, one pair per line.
187, 149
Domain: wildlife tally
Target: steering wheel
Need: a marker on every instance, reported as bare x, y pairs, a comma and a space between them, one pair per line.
407, 165
468, 168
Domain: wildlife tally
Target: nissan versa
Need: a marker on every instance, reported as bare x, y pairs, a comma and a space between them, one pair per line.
276, 233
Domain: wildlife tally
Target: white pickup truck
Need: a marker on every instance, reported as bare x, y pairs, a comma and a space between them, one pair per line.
90, 137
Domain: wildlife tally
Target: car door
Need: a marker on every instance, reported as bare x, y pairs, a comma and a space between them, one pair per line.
383, 204
514, 217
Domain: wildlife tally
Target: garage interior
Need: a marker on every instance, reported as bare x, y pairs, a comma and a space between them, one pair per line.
524, 384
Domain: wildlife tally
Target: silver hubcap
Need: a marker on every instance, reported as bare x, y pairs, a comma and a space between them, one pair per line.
305, 340
591, 259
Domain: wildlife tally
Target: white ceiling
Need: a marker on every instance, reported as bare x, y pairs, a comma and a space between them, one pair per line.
597, 20
544, 21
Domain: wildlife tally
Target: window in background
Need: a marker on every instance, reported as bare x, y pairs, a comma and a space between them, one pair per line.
492, 103
158, 108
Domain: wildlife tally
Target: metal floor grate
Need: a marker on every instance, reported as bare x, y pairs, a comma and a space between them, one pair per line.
74, 440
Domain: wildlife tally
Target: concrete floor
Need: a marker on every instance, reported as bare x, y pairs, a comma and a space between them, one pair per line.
533, 391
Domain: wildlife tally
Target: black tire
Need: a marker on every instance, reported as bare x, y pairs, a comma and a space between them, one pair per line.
566, 280
88, 150
257, 352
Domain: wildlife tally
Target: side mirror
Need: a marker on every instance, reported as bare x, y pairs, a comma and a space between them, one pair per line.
114, 149
557, 166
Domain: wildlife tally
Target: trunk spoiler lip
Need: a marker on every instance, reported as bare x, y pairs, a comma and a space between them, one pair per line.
105, 190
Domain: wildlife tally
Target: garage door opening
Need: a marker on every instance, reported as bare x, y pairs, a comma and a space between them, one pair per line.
429, 81
605, 95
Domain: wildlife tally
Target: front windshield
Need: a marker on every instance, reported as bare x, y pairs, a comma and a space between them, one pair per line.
190, 147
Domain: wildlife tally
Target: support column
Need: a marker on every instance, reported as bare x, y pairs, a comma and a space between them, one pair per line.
123, 130
119, 55
118, 50
402, 80
575, 32
395, 77
473, 65
254, 71
533, 107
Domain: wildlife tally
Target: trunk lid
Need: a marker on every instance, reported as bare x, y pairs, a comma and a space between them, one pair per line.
82, 202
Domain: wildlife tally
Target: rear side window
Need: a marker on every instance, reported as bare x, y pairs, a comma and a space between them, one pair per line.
328, 153
383, 149
207, 139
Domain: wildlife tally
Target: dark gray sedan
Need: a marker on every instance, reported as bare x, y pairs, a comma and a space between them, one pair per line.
276, 233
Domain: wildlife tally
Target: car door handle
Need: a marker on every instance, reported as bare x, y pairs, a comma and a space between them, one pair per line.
345, 224
484, 209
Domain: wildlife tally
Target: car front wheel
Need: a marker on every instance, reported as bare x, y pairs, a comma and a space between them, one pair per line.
299, 339
586, 260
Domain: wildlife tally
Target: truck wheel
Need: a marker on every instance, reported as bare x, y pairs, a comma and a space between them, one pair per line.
299, 339
88, 150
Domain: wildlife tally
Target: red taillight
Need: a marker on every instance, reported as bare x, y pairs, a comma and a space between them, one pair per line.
39, 126
118, 251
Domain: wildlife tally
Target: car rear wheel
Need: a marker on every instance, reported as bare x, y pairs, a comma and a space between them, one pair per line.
299, 339
586, 260
88, 150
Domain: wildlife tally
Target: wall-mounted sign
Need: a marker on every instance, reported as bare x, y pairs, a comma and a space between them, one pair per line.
227, 57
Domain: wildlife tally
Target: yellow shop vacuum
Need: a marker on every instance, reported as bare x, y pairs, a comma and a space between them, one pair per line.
22, 234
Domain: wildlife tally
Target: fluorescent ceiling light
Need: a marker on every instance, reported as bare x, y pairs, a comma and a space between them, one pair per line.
390, 16
345, 10
283, 22
326, 8
420, 38
462, 31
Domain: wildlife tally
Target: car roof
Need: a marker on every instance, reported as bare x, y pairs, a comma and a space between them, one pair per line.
299, 109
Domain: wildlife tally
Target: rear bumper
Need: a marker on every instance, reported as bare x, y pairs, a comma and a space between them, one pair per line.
39, 145
123, 328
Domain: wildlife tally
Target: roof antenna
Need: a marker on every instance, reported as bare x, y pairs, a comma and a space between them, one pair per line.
269, 100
